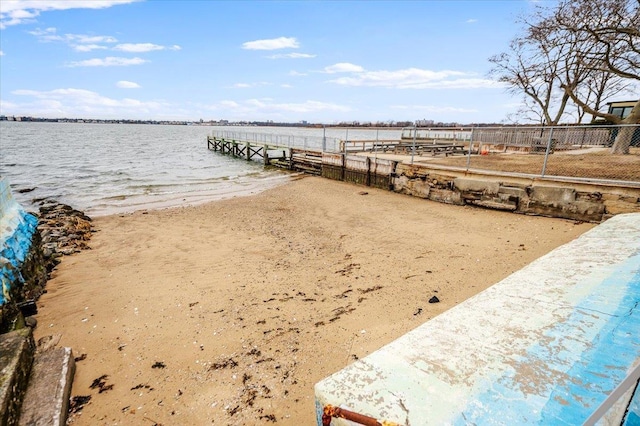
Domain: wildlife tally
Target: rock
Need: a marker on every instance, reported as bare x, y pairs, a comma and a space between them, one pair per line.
434, 299
64, 231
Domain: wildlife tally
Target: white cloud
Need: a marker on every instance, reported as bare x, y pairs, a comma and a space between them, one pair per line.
83, 103
79, 42
46, 35
83, 38
228, 104
109, 61
138, 47
293, 55
1, 53
87, 43
272, 44
286, 86
248, 85
297, 74
256, 107
124, 84
410, 78
89, 47
343, 67
471, 21
14, 12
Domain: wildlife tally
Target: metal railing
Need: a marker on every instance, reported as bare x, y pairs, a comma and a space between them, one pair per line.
565, 152
317, 143
577, 153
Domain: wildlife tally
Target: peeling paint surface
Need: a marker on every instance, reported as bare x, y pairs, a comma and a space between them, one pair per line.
16, 230
545, 345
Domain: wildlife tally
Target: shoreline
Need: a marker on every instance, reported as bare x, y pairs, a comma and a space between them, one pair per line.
232, 310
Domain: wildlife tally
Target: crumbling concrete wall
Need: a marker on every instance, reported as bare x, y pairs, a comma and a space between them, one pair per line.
543, 197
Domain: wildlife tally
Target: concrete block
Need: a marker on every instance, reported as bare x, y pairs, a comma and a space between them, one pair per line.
553, 194
620, 206
513, 191
546, 345
476, 185
446, 196
16, 356
577, 210
496, 204
415, 187
47, 398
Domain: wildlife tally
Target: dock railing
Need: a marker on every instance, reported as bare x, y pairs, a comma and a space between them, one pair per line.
575, 153
317, 143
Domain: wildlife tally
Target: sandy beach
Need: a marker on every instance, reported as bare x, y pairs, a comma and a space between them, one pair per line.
230, 312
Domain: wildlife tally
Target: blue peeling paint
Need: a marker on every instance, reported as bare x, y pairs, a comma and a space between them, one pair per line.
579, 363
16, 232
633, 414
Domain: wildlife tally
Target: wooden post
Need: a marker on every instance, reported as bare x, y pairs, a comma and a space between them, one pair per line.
265, 155
290, 158
344, 166
247, 146
368, 171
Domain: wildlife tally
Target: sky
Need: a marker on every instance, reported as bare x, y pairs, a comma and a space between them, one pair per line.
286, 61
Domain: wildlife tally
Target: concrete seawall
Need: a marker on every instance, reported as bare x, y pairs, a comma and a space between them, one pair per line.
583, 201
546, 345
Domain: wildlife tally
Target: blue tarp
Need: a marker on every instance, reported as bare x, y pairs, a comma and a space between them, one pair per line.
16, 232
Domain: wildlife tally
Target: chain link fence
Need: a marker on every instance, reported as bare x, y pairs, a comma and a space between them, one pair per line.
591, 153
594, 153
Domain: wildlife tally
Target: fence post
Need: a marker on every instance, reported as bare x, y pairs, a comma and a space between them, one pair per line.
324, 138
470, 146
413, 146
546, 154
346, 140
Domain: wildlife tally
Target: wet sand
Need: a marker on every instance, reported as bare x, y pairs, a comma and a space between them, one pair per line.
230, 312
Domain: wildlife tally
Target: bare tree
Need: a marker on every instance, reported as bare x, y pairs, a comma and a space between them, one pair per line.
598, 88
609, 31
530, 69
585, 49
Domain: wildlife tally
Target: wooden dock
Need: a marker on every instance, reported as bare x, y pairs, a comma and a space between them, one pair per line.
375, 172
248, 150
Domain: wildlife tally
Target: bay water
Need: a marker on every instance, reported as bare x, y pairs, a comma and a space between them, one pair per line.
105, 169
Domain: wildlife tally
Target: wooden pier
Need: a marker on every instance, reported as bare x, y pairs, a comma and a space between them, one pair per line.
249, 151
375, 172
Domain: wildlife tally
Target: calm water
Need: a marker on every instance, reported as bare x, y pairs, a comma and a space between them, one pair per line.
113, 168
110, 168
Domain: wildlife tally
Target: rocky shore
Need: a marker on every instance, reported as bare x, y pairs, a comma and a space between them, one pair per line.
63, 231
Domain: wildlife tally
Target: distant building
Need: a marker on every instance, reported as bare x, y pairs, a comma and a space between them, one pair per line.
621, 109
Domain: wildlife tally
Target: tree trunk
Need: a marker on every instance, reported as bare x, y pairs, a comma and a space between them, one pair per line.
625, 134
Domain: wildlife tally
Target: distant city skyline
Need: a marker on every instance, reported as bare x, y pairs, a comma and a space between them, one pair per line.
288, 61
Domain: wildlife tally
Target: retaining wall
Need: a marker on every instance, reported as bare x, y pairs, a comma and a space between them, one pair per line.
544, 197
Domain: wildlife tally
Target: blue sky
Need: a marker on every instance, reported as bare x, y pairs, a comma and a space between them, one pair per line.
320, 61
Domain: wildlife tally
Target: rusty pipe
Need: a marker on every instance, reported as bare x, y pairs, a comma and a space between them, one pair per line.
329, 412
